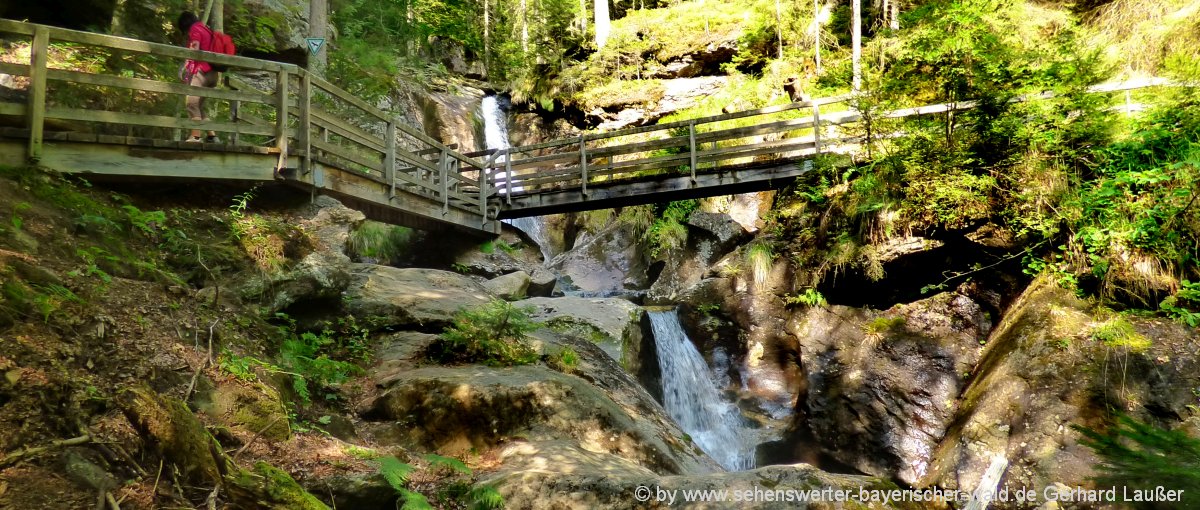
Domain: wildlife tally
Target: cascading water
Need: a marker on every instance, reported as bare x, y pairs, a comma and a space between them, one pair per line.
692, 399
495, 136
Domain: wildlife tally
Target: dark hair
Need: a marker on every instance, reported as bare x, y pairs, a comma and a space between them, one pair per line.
185, 22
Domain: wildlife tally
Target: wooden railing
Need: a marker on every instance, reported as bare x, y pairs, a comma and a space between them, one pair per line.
706, 144
290, 113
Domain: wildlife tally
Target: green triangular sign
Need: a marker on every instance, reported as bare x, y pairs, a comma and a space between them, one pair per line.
314, 44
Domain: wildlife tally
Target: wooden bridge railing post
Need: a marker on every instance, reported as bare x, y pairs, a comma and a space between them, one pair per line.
583, 167
389, 159
444, 171
281, 119
303, 137
692, 149
508, 177
483, 196
816, 109
37, 91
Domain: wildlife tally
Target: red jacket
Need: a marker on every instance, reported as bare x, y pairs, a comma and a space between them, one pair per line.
202, 34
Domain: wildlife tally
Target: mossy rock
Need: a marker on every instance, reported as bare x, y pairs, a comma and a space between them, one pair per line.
251, 407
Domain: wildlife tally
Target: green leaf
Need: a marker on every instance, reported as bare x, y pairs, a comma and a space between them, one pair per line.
450, 462
395, 472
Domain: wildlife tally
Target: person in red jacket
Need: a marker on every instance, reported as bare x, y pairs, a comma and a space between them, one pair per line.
195, 72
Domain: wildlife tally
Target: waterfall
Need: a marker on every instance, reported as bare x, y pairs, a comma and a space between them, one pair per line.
495, 136
692, 399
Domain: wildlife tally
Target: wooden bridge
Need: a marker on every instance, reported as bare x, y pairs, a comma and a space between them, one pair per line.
101, 120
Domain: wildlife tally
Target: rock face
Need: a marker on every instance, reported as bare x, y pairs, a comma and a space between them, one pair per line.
324, 272
1042, 372
710, 237
410, 298
677, 94
882, 387
454, 409
609, 322
607, 262
555, 476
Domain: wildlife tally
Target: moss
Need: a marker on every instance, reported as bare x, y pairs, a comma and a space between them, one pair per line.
283, 490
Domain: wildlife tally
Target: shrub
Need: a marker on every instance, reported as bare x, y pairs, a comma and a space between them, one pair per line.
493, 334
379, 241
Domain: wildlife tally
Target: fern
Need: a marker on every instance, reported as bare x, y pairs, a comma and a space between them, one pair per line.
395, 472
414, 500
450, 462
485, 497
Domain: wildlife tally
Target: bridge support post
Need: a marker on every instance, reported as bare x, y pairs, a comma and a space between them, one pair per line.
37, 91
483, 196
583, 166
692, 149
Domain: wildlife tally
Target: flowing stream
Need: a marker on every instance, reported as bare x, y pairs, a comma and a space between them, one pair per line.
692, 399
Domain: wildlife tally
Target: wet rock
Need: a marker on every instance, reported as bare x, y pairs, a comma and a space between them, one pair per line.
1041, 373
883, 386
510, 286
726, 231
607, 262
414, 298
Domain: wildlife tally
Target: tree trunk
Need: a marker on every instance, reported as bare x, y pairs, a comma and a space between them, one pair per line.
817, 34
602, 23
583, 16
779, 28
118, 22
218, 16
318, 26
856, 44
524, 27
487, 30
894, 14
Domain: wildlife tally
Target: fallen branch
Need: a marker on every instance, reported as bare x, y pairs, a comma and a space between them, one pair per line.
255, 437
26, 453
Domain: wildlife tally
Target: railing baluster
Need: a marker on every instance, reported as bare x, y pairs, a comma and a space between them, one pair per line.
816, 108
583, 165
37, 91
305, 123
483, 194
508, 176
444, 169
692, 149
281, 120
389, 163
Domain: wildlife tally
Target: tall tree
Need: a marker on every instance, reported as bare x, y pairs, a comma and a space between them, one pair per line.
816, 30
856, 44
524, 27
603, 25
318, 26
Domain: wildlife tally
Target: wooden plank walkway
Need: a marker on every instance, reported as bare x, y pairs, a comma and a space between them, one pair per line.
284, 124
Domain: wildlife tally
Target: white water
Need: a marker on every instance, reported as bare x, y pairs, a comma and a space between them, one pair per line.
495, 136
692, 399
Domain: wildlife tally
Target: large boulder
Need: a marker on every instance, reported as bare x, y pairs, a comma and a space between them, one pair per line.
426, 299
1043, 372
510, 286
456, 409
553, 475
882, 387
321, 274
711, 236
608, 322
607, 262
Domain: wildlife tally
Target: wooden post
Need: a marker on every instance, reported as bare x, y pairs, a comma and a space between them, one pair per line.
816, 126
583, 165
37, 91
389, 159
235, 108
444, 169
692, 149
305, 124
281, 120
483, 194
508, 176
